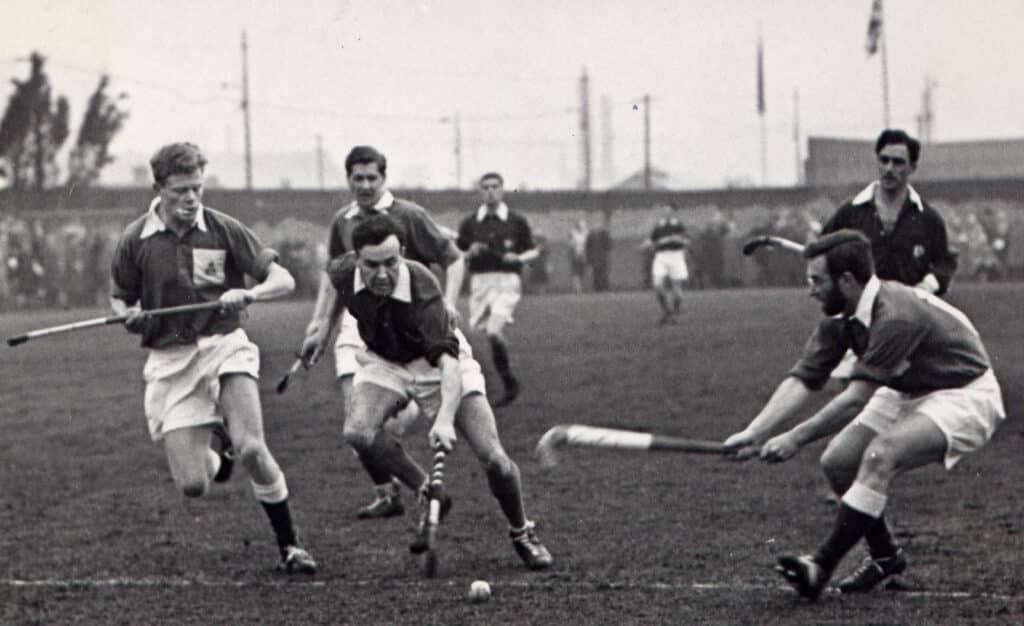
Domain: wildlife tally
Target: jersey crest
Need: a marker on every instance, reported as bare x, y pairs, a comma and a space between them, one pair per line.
208, 267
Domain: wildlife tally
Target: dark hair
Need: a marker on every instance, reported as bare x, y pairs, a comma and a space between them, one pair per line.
494, 175
374, 230
176, 158
845, 250
366, 154
897, 136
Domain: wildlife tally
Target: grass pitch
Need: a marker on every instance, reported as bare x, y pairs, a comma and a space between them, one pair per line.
93, 530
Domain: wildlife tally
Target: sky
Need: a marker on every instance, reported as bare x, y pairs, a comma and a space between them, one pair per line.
395, 73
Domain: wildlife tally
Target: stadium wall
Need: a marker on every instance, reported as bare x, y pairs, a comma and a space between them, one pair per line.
53, 239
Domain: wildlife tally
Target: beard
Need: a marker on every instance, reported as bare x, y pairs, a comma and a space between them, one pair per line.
834, 302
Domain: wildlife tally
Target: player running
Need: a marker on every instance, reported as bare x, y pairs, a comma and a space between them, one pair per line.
413, 352
668, 267
202, 369
922, 391
426, 243
497, 242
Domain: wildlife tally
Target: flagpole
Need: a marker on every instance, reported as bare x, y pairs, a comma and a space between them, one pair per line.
885, 75
761, 105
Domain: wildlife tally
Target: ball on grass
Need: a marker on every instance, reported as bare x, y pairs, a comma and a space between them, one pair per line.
479, 591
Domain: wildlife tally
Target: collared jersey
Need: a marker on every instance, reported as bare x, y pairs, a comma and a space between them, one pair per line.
502, 231
916, 246
668, 234
915, 342
155, 268
412, 323
424, 241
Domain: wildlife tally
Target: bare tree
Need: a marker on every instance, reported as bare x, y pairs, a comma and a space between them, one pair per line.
103, 119
33, 129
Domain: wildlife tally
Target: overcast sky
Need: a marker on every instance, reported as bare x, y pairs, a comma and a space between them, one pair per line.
387, 72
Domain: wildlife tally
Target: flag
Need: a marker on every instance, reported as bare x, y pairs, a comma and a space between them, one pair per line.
760, 78
874, 27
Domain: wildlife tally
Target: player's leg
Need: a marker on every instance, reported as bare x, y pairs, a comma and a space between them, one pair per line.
372, 403
475, 421
240, 402
348, 346
659, 280
504, 299
910, 443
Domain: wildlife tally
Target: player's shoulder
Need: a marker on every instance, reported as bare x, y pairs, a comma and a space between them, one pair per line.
134, 227
341, 268
401, 206
424, 282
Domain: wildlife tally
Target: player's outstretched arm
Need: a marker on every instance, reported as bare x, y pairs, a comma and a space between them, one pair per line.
278, 283
829, 419
442, 433
787, 400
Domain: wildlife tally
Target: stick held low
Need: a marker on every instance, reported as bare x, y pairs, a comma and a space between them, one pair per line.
754, 244
564, 435
114, 319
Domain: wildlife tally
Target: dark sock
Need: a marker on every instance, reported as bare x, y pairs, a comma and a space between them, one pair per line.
499, 354
881, 543
677, 302
378, 475
391, 458
663, 301
507, 490
850, 526
281, 521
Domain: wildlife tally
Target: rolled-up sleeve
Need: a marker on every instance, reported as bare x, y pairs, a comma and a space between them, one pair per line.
125, 276
822, 353
247, 252
437, 329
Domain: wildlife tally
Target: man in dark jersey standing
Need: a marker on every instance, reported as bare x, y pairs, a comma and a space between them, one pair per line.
922, 391
497, 242
668, 265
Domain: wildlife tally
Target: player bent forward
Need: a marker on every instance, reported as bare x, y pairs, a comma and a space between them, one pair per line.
922, 391
202, 369
413, 353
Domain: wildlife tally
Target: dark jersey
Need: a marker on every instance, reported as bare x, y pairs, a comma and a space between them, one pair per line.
668, 234
916, 246
914, 343
155, 268
424, 241
411, 323
511, 234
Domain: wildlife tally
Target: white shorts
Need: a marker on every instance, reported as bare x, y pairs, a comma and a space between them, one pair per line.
183, 382
418, 380
669, 264
493, 297
968, 416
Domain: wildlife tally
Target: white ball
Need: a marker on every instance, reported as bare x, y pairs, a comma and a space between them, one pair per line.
479, 591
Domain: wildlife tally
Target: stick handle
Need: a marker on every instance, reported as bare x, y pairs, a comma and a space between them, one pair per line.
114, 319
685, 444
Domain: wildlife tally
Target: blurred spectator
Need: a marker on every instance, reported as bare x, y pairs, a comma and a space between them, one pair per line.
578, 253
599, 253
539, 270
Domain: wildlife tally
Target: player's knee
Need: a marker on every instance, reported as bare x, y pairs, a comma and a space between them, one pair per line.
880, 458
250, 449
839, 467
496, 462
358, 435
194, 486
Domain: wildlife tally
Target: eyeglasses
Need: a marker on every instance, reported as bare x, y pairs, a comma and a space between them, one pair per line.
886, 160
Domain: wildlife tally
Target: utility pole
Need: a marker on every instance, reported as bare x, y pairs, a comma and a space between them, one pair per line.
607, 141
320, 160
796, 137
245, 113
457, 129
924, 120
585, 128
647, 141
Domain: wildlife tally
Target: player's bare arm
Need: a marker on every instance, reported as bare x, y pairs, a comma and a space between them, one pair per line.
831, 418
787, 400
278, 283
442, 433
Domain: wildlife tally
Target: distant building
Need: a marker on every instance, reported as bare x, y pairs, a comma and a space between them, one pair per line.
833, 161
